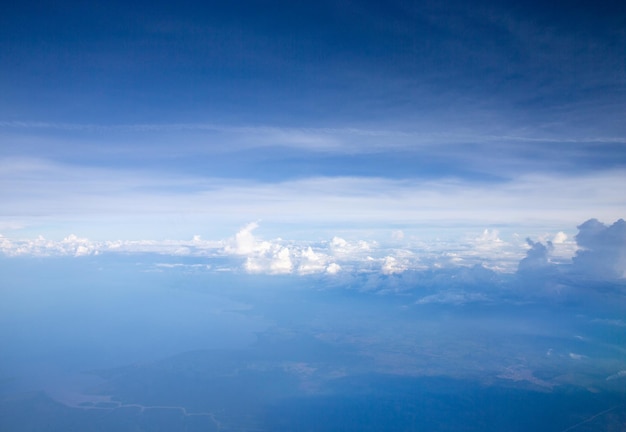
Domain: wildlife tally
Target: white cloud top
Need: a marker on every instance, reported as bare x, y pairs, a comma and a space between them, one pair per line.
600, 254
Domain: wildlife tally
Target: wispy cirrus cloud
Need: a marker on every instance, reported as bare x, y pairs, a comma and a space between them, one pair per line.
339, 139
283, 154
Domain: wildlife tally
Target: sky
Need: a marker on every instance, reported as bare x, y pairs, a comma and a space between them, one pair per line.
250, 213
397, 122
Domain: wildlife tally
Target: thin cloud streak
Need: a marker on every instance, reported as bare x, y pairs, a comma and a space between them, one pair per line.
414, 136
262, 153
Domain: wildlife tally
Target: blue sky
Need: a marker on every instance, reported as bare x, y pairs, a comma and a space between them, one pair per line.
357, 119
436, 187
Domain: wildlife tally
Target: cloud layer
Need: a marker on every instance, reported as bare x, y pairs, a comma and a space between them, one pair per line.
110, 202
599, 252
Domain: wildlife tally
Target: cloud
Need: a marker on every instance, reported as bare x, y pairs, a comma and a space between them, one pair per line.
610, 322
311, 262
559, 238
273, 261
618, 375
489, 236
281, 262
72, 245
578, 276
453, 298
343, 248
473, 265
491, 251
262, 256
245, 243
536, 259
602, 253
348, 140
42, 194
333, 268
278, 257
391, 265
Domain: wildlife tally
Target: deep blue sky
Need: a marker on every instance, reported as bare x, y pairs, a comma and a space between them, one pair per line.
307, 63
435, 103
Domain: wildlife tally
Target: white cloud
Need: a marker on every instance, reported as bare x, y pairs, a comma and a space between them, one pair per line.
337, 243
280, 257
333, 268
253, 265
391, 265
276, 260
40, 246
277, 256
559, 238
311, 262
245, 243
342, 248
262, 256
281, 262
489, 236
80, 246
76, 246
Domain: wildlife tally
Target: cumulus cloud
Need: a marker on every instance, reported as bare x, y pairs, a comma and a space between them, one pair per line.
539, 275
391, 265
537, 258
489, 236
331, 257
485, 248
333, 268
342, 247
280, 257
602, 249
281, 262
601, 254
558, 269
273, 262
261, 256
245, 243
311, 262
559, 238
